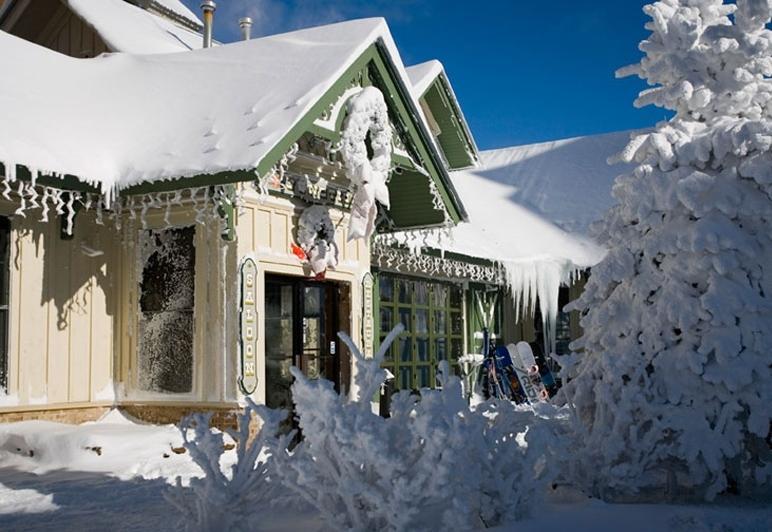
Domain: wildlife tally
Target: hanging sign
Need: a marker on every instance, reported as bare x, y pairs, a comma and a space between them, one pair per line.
248, 327
368, 328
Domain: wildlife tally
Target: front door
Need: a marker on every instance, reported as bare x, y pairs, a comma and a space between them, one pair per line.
301, 322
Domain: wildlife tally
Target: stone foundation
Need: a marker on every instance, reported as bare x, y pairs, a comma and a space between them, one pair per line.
159, 414
72, 415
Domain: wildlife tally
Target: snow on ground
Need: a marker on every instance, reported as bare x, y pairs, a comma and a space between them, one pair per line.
53, 478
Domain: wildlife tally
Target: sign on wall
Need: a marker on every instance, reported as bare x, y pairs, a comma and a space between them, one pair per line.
368, 327
248, 326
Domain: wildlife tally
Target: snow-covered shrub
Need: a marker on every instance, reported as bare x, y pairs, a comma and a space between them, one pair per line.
219, 501
527, 447
673, 386
432, 464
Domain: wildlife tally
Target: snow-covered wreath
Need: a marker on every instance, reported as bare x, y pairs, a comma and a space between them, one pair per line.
367, 114
316, 239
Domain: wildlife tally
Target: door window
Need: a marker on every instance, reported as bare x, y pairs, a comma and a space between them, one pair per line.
301, 323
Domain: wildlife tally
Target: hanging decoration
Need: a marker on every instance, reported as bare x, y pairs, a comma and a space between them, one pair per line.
402, 260
367, 115
316, 240
67, 203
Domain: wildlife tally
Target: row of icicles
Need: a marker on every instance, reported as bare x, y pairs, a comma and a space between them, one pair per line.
204, 201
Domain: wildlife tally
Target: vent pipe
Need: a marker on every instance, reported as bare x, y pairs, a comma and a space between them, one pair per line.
208, 7
246, 27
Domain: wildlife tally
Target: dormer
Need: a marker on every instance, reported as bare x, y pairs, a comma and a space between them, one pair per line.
432, 89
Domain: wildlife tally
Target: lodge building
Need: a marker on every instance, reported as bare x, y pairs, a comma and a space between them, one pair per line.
157, 198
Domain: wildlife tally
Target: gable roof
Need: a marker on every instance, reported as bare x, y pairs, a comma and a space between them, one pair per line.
127, 28
119, 120
423, 74
535, 203
431, 86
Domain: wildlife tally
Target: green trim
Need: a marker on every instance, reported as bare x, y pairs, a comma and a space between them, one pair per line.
65, 182
432, 312
227, 212
454, 138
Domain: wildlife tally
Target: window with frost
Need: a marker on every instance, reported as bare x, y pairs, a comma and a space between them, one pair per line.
167, 263
5, 236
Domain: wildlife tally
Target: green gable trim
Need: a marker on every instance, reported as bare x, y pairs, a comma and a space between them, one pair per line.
454, 138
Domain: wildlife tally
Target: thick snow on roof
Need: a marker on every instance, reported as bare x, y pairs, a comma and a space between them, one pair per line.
128, 28
536, 202
422, 75
121, 119
179, 8
530, 208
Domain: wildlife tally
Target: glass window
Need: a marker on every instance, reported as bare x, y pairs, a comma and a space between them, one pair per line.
166, 303
386, 287
434, 328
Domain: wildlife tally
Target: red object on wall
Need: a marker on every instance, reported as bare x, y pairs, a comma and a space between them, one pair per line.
298, 251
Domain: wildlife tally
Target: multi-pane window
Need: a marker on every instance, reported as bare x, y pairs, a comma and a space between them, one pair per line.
432, 313
166, 301
5, 237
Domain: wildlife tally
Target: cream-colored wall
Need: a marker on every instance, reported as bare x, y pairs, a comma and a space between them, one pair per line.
214, 335
74, 317
61, 311
265, 229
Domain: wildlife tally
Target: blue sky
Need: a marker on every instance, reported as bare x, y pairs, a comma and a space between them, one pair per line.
524, 70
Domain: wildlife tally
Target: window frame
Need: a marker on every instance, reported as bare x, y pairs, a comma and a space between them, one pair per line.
139, 392
393, 361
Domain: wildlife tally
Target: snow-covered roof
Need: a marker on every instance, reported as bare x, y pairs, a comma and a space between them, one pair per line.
180, 9
121, 119
422, 75
536, 202
127, 28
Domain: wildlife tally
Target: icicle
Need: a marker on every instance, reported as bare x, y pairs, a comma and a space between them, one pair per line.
33, 197
145, 207
99, 213
118, 209
44, 201
131, 207
6, 189
10, 172
167, 213
70, 213
22, 202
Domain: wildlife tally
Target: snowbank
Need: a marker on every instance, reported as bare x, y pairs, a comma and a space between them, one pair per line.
114, 445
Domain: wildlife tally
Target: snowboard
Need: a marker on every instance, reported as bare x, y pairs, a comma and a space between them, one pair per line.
499, 378
527, 371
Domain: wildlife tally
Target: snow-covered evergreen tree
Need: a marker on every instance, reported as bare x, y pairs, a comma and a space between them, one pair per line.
672, 383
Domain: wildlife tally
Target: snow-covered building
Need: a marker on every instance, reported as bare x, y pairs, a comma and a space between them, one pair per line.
511, 267
171, 215
175, 264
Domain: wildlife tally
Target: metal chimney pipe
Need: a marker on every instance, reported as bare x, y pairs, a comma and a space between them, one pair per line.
208, 7
246, 27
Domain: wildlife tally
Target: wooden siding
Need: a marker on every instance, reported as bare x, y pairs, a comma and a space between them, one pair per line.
62, 310
58, 28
